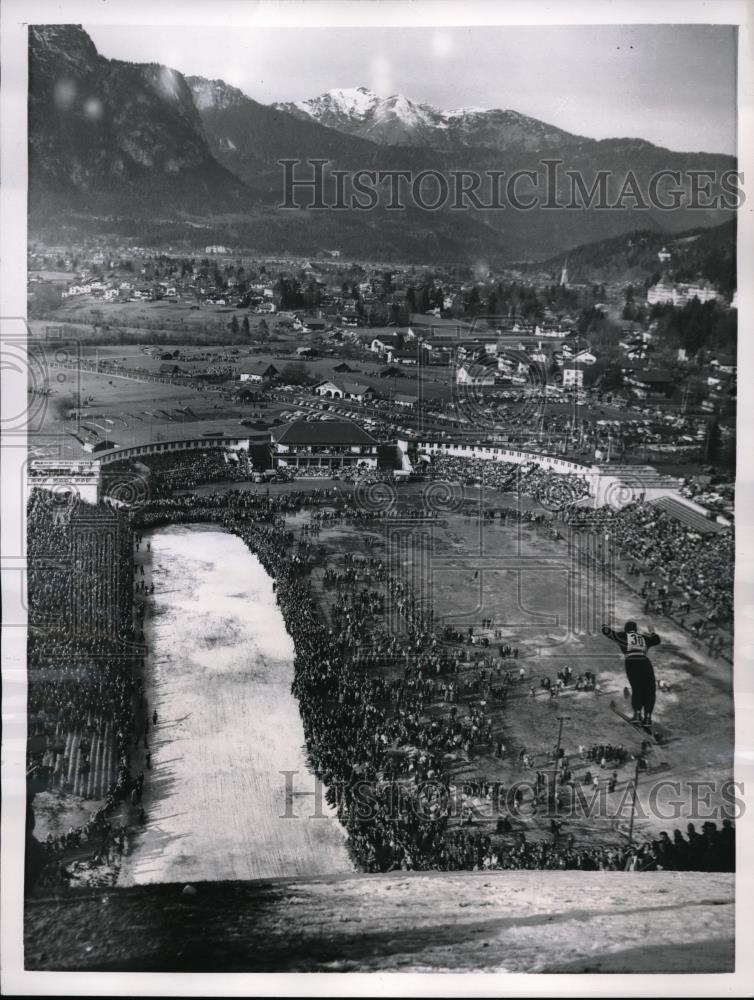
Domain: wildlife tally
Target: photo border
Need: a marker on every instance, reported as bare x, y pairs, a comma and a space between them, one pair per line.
15, 16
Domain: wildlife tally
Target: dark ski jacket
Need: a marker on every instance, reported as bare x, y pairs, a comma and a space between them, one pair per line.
633, 645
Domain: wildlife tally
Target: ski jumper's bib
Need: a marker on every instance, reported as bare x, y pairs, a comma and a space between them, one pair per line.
636, 645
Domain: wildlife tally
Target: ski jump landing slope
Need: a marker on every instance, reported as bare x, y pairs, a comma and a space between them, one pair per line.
513, 921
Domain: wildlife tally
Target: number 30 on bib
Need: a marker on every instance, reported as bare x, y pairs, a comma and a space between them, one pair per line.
636, 641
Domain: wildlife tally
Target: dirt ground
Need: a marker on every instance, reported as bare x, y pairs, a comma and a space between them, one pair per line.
55, 812
513, 921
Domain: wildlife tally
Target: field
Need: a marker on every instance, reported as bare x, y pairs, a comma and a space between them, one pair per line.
130, 411
63, 277
166, 316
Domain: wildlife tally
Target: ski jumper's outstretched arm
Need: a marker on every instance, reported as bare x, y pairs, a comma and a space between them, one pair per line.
611, 634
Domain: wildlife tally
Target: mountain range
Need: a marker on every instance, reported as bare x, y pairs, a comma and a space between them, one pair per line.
109, 134
399, 121
141, 150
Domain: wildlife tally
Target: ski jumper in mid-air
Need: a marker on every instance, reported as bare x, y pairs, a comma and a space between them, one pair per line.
639, 670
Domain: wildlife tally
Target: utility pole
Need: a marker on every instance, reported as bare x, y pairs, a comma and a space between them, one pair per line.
633, 804
553, 789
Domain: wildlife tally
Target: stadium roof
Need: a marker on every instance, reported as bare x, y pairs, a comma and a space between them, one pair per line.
259, 368
689, 517
336, 432
356, 388
640, 475
390, 337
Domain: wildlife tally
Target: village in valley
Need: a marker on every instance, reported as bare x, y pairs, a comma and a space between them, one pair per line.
405, 351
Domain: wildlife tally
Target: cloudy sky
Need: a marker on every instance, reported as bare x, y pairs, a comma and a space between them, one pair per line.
672, 85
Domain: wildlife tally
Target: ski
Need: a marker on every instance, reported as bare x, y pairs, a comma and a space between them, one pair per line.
637, 726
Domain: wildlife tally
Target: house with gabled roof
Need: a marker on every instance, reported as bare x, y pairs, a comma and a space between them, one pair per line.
260, 372
339, 443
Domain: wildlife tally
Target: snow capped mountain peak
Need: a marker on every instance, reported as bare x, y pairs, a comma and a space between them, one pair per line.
463, 112
405, 110
360, 104
343, 108
353, 101
398, 121
400, 104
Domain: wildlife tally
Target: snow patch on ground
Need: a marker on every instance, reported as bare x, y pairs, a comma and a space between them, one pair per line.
219, 676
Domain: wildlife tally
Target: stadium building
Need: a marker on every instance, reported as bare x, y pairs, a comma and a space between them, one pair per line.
330, 443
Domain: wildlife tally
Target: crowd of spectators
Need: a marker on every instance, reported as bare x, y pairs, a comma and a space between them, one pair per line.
712, 850
700, 566
310, 472
160, 474
81, 645
553, 489
83, 652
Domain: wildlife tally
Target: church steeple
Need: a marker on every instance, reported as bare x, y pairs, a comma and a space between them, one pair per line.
564, 274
